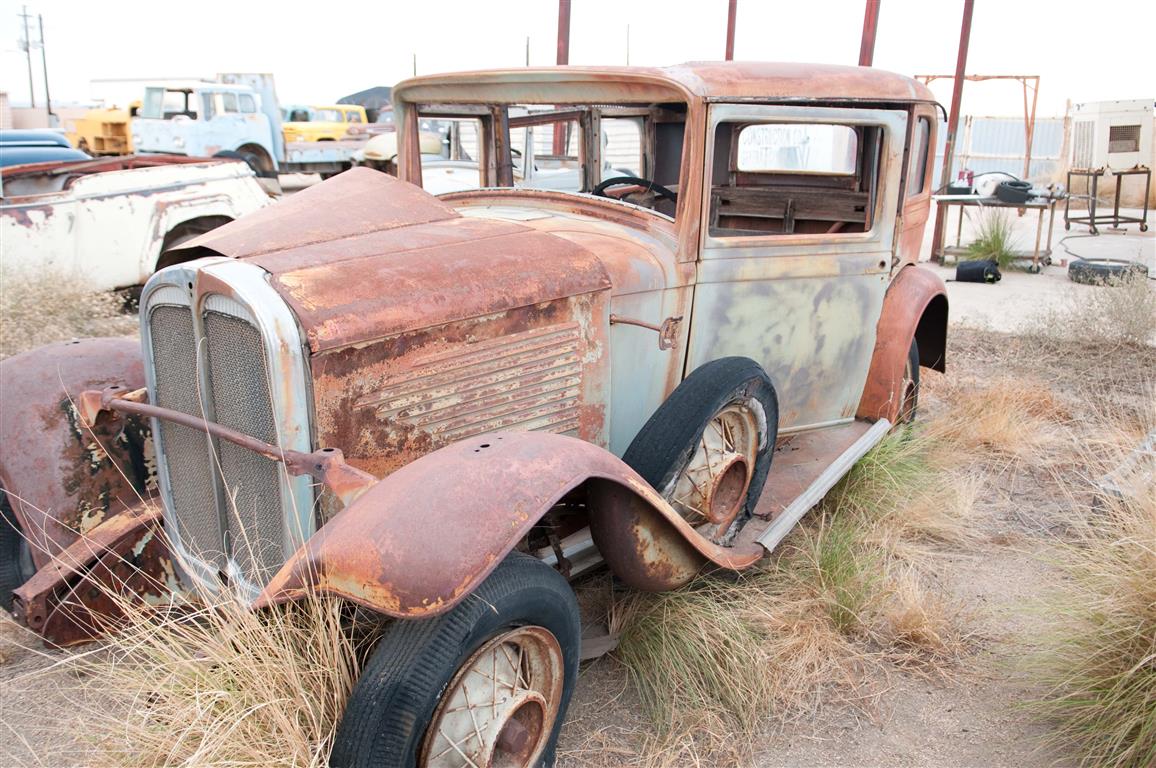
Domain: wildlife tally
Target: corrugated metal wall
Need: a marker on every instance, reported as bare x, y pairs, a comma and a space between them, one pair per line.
998, 144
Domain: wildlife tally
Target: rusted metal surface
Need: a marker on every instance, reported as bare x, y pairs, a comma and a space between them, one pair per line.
63, 479
327, 465
953, 116
106, 222
732, 12
404, 548
79, 594
915, 304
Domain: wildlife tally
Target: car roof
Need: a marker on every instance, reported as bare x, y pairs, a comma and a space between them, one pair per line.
27, 137
704, 80
18, 154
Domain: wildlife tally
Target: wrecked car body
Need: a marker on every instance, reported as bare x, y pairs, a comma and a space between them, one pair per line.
404, 400
110, 222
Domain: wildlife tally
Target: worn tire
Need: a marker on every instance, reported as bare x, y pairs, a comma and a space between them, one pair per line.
397, 694
1104, 271
910, 406
668, 439
15, 556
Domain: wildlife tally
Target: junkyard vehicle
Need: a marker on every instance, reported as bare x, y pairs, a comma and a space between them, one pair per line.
441, 408
237, 116
327, 123
103, 131
111, 222
20, 147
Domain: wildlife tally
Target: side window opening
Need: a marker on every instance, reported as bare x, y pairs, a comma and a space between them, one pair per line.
229, 102
247, 103
917, 170
793, 178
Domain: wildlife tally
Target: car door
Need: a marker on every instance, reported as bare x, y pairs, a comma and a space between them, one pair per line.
799, 212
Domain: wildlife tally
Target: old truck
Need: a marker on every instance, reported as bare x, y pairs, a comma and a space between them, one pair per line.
324, 123
440, 409
237, 116
111, 222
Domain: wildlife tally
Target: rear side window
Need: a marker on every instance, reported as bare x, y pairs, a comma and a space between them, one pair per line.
247, 103
917, 170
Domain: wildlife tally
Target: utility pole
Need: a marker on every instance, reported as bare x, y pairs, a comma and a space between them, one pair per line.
27, 45
870, 27
732, 8
44, 63
628, 45
415, 65
953, 119
527, 50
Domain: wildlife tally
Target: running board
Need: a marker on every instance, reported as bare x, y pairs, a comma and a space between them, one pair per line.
784, 521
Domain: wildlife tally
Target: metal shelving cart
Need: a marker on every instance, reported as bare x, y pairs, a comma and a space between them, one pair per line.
1092, 219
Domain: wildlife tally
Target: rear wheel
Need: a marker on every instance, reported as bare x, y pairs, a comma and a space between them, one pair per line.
708, 448
487, 684
909, 388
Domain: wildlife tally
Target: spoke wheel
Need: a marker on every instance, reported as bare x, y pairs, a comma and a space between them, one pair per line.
499, 710
708, 448
712, 488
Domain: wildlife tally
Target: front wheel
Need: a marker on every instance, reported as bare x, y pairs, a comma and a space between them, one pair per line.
486, 684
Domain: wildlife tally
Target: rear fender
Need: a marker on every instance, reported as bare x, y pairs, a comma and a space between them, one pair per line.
915, 307
63, 479
422, 539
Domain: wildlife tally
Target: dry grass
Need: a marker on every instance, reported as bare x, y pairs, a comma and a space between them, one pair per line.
1099, 657
1008, 418
1121, 314
219, 684
846, 596
37, 310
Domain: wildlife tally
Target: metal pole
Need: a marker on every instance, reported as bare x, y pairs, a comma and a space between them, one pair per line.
628, 45
870, 26
731, 10
563, 58
1031, 124
28, 54
953, 119
44, 62
527, 50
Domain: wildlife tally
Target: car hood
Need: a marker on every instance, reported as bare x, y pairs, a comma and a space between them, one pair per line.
364, 256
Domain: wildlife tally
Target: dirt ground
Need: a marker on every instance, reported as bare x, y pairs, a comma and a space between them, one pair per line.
970, 715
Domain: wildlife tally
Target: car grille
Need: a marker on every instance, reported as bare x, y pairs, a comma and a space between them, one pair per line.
226, 506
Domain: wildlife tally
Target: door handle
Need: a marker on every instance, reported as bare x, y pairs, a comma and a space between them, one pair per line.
667, 330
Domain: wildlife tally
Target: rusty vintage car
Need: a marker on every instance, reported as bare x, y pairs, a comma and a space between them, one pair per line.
441, 408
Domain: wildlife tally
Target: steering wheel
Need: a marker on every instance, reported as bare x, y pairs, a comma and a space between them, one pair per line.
650, 186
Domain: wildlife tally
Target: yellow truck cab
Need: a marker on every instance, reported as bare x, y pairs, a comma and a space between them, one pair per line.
323, 123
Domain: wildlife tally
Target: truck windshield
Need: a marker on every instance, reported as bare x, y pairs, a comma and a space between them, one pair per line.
164, 103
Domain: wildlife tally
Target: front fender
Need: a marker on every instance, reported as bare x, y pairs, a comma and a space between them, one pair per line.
63, 479
419, 541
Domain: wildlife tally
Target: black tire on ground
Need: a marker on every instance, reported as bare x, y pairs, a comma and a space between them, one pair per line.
1104, 271
415, 662
15, 555
668, 440
910, 407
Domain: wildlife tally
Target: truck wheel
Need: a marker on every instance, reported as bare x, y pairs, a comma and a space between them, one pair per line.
485, 684
16, 565
708, 448
909, 388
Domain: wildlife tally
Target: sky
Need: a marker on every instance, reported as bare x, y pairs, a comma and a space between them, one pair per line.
1083, 51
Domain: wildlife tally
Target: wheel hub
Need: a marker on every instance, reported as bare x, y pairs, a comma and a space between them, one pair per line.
712, 488
500, 708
